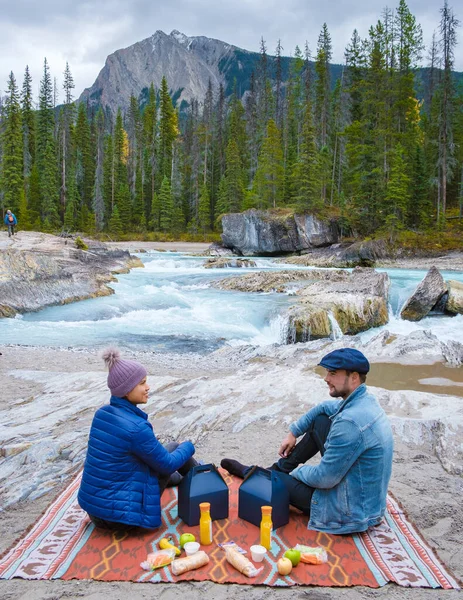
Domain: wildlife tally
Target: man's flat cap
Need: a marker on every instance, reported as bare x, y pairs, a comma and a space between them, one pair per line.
345, 358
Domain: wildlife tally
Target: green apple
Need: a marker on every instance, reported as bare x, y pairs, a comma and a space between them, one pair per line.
294, 556
186, 537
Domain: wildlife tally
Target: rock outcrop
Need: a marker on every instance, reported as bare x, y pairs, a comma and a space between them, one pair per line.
358, 254
329, 302
224, 263
276, 281
454, 304
268, 233
425, 297
41, 270
355, 303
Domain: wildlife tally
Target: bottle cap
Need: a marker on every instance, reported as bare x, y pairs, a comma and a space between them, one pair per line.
205, 506
266, 510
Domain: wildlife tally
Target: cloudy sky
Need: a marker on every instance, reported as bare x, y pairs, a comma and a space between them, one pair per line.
85, 32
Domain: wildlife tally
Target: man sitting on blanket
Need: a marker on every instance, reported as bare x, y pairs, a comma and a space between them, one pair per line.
346, 492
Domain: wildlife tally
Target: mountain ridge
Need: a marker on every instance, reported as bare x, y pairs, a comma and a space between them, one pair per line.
188, 63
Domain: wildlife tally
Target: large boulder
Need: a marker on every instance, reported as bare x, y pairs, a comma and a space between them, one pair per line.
267, 233
307, 322
364, 253
425, 297
357, 303
454, 303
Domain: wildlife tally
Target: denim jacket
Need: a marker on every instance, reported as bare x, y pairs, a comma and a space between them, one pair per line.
352, 477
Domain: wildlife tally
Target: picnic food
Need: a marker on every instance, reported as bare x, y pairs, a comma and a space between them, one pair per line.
185, 538
294, 556
266, 527
194, 561
240, 562
312, 555
166, 543
205, 524
284, 566
158, 559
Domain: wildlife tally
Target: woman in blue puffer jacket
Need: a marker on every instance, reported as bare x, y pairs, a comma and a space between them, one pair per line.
127, 468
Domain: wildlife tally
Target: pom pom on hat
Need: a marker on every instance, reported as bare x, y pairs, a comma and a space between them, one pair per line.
110, 356
123, 375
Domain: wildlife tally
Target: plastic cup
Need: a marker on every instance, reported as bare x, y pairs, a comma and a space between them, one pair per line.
258, 552
191, 548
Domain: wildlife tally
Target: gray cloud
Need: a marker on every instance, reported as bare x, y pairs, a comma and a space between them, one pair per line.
85, 32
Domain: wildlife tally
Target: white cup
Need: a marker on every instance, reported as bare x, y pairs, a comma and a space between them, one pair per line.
258, 552
191, 548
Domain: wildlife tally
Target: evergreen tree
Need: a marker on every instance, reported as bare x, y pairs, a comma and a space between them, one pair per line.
28, 123
99, 187
149, 152
115, 224
448, 26
85, 166
270, 172
204, 209
108, 178
166, 206
232, 192
168, 131
65, 125
46, 153
397, 197
12, 141
306, 174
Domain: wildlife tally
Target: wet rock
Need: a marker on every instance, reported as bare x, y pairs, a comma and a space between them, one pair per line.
425, 297
307, 322
223, 263
454, 302
269, 233
271, 281
357, 300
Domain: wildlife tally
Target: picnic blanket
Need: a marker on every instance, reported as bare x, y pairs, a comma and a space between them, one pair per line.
64, 544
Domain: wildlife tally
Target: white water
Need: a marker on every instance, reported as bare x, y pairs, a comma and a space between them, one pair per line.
170, 306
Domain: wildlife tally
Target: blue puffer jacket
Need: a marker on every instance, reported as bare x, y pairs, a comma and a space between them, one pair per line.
124, 459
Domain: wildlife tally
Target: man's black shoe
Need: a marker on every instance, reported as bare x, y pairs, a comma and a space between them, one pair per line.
233, 467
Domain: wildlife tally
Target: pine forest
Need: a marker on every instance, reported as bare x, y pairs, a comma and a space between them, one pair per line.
380, 149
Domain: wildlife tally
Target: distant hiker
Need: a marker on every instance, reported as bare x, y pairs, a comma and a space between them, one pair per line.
346, 492
127, 468
11, 221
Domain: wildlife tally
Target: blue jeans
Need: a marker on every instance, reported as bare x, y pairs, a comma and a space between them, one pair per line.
300, 494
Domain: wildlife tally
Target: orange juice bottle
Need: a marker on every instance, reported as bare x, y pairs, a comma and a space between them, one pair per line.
266, 527
205, 524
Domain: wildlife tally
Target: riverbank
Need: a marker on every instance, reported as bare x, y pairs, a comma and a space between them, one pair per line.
240, 401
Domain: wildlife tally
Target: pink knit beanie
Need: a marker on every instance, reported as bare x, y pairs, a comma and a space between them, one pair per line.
124, 375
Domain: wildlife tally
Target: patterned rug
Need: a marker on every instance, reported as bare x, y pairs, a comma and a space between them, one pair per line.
64, 544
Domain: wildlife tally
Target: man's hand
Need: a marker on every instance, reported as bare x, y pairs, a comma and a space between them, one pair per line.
287, 445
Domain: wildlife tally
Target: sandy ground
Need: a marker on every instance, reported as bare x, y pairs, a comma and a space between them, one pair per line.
429, 494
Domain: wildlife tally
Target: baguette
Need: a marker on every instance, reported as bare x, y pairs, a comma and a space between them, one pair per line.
196, 560
240, 562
